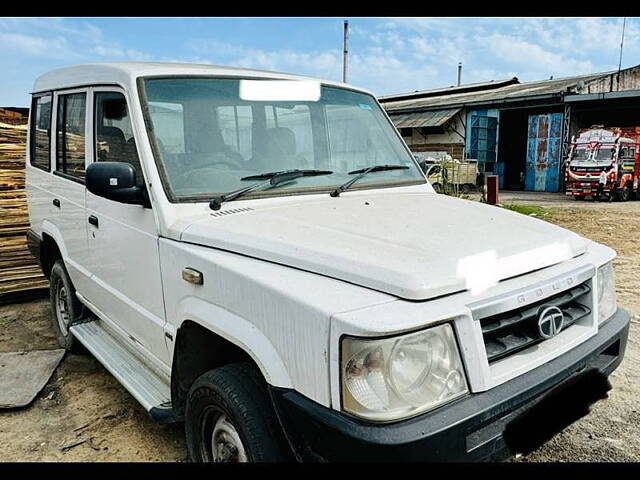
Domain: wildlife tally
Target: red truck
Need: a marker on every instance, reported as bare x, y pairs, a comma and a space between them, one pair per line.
614, 150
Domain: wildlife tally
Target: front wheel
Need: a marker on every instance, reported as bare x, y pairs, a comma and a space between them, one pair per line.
229, 418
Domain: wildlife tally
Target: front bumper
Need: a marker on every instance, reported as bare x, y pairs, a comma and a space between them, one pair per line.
468, 429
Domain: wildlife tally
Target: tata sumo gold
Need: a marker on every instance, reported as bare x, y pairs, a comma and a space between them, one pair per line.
259, 256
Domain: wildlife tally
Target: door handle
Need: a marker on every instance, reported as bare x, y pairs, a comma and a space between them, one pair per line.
56, 202
93, 220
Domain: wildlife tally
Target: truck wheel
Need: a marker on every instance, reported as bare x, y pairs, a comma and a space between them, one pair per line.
578, 197
437, 187
229, 418
466, 189
624, 193
64, 305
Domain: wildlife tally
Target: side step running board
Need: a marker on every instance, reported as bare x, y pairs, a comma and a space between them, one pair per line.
150, 390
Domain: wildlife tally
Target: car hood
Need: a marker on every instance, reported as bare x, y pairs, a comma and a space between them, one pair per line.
412, 245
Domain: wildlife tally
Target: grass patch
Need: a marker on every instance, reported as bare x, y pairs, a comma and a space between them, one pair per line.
530, 210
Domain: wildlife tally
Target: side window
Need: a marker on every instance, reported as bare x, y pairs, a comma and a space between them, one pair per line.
114, 141
41, 132
70, 134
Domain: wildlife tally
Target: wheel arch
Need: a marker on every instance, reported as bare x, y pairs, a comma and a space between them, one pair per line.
51, 247
210, 337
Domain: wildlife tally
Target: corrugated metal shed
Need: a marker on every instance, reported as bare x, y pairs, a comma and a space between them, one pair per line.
467, 87
512, 92
423, 119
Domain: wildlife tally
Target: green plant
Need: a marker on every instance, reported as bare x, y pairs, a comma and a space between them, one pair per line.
531, 210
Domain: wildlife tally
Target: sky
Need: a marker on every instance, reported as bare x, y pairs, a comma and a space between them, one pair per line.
387, 55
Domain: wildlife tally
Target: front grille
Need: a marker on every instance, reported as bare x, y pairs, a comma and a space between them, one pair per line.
515, 330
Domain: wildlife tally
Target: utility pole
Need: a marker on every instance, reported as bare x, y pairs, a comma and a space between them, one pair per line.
345, 51
459, 72
624, 21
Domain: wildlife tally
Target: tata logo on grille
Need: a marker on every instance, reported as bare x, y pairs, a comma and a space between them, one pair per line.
550, 322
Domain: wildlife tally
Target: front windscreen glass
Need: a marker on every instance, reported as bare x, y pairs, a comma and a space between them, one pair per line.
208, 138
601, 154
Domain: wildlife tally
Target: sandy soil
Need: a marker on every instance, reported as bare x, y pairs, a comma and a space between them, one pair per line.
84, 414
612, 430
81, 403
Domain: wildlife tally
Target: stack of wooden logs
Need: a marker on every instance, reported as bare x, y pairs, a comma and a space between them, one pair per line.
20, 275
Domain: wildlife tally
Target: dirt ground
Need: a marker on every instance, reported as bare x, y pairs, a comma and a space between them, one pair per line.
84, 414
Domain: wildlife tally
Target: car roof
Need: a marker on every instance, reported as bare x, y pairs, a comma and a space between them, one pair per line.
126, 73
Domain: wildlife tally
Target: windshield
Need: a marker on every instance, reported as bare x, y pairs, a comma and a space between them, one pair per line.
599, 154
208, 138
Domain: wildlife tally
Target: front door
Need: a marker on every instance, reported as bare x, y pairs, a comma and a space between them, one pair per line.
122, 238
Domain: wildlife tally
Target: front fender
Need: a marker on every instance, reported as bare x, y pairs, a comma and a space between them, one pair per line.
241, 333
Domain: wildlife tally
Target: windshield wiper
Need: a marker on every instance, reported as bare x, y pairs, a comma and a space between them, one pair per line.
363, 172
272, 179
268, 175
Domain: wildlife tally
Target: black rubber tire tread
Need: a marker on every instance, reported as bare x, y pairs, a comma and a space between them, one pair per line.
59, 274
240, 391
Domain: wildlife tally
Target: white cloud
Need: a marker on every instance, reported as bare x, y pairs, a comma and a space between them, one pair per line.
523, 54
386, 55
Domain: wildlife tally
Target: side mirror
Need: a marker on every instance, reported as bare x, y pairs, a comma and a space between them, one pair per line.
115, 181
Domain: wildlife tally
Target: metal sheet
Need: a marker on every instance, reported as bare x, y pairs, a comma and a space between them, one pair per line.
543, 152
423, 119
24, 374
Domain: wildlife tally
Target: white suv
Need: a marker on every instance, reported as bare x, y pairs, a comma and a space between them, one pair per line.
260, 256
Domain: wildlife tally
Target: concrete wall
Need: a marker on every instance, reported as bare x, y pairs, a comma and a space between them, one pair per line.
627, 80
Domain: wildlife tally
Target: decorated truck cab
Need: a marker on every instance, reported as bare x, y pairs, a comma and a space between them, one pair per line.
614, 151
259, 256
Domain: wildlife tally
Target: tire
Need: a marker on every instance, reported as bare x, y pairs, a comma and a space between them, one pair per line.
578, 197
625, 192
233, 401
64, 306
465, 189
437, 187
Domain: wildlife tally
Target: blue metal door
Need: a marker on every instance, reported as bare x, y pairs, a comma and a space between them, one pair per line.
544, 142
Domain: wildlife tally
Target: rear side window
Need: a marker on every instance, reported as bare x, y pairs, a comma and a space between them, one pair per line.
41, 132
114, 133
71, 135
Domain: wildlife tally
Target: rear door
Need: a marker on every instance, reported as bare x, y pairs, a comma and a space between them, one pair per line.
67, 207
122, 238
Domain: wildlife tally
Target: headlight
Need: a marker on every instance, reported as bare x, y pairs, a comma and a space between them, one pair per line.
606, 292
392, 378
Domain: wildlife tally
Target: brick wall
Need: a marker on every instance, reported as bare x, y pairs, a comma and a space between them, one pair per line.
453, 149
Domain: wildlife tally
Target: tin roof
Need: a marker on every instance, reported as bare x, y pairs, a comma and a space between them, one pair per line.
467, 87
423, 119
502, 94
